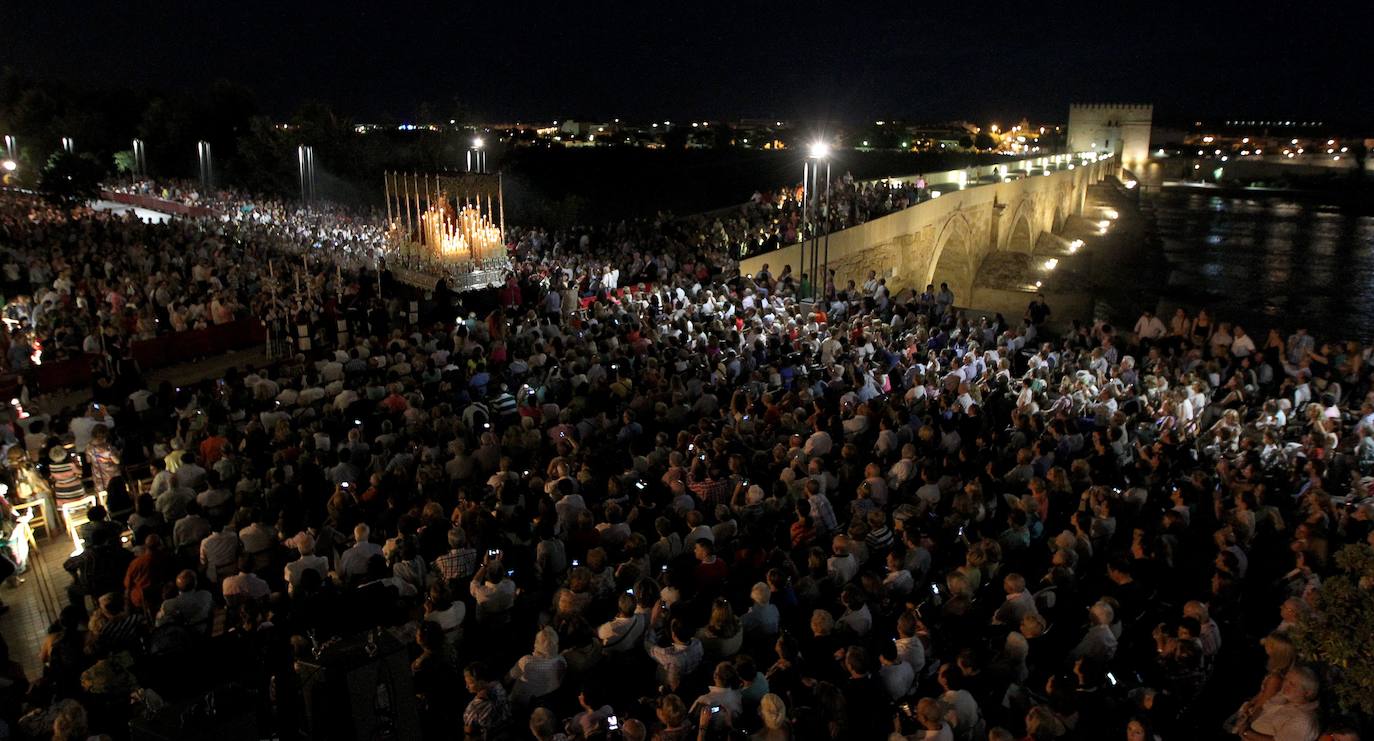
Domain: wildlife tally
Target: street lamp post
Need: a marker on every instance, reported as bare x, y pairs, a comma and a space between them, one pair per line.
806, 201
820, 152
207, 172
305, 158
477, 156
140, 159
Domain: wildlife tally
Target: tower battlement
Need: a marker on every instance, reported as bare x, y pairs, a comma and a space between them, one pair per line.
1122, 128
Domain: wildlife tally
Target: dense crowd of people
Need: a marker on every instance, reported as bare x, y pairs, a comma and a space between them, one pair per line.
770, 220
81, 281
698, 509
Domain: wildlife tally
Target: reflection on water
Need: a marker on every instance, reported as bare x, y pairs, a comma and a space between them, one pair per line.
1267, 259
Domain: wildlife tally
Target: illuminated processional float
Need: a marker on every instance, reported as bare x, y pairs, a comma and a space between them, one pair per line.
446, 228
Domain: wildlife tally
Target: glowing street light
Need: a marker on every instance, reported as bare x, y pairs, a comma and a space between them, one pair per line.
9, 165
477, 155
820, 150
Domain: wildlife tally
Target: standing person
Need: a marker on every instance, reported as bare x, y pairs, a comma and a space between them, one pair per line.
944, 300
65, 474
1037, 311
104, 458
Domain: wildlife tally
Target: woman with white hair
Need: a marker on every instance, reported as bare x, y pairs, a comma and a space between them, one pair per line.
762, 617
539, 673
773, 713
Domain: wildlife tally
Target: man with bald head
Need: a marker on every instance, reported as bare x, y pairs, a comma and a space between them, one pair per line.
191, 607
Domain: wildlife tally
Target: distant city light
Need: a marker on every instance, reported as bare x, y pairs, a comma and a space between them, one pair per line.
1052, 263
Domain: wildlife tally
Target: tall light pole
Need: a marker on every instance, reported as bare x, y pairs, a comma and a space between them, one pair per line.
140, 159
68, 145
305, 157
477, 156
806, 203
820, 152
207, 171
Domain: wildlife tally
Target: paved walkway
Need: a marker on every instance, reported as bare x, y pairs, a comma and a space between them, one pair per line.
35, 598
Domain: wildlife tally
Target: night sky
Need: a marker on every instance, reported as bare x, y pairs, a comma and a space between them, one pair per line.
669, 59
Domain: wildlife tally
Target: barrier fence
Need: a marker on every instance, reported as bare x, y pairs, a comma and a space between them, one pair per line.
158, 352
154, 203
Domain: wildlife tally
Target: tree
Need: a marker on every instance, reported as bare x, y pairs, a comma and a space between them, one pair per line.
124, 161
966, 142
69, 178
984, 140
1336, 634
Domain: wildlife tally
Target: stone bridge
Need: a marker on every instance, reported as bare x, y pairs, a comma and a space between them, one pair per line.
946, 239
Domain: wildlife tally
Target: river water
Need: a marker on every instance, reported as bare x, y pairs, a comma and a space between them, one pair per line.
1269, 259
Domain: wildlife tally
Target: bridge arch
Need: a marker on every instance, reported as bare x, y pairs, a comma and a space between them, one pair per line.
1021, 235
956, 258
1019, 240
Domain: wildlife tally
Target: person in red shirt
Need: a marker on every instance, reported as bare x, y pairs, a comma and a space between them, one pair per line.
212, 449
147, 574
711, 571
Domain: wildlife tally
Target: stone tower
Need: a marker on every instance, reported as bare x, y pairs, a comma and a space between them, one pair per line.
1111, 127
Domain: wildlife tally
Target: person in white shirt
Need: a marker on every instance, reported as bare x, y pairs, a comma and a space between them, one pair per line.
841, 566
82, 428
494, 593
245, 586
723, 693
1241, 344
909, 646
540, 672
308, 561
625, 631
1149, 327
898, 582
1291, 715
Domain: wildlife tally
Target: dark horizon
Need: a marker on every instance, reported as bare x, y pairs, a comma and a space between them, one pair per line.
490, 63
